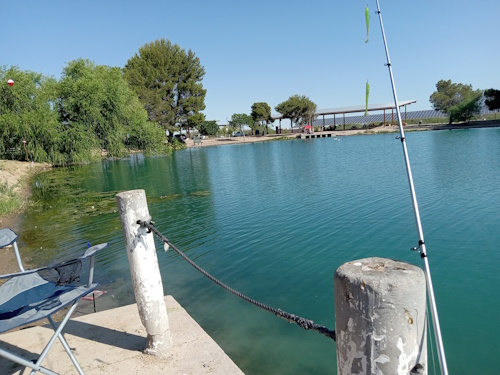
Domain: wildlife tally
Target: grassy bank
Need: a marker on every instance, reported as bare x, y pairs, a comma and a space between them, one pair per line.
10, 201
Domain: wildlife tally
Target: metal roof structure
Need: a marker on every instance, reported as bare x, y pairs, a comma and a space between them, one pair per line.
379, 117
353, 109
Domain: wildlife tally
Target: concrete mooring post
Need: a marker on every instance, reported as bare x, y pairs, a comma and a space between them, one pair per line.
380, 318
145, 272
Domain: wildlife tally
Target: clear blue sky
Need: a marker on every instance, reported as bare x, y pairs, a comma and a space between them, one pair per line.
268, 50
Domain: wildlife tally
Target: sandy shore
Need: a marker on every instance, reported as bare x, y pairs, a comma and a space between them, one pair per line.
15, 174
12, 171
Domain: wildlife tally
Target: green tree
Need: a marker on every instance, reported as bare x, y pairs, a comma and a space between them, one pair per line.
239, 120
459, 101
492, 99
167, 80
100, 111
298, 108
194, 121
465, 110
261, 113
29, 129
208, 128
141, 134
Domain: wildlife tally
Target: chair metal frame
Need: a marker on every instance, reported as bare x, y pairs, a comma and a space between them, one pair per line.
72, 294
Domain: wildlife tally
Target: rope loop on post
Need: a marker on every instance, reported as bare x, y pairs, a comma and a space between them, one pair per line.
291, 318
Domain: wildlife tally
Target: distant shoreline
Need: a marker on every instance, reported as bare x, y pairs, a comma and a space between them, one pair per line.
379, 129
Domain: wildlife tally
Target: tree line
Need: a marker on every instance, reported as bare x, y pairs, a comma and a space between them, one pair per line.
457, 100
298, 108
94, 108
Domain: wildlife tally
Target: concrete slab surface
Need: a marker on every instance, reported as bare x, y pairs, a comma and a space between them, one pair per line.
111, 342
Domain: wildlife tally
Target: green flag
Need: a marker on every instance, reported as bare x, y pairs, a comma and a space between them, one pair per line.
367, 95
367, 16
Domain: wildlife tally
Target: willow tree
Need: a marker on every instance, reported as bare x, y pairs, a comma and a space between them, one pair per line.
29, 128
99, 111
298, 108
167, 80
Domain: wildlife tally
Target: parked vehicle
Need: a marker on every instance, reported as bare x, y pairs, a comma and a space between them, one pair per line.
238, 134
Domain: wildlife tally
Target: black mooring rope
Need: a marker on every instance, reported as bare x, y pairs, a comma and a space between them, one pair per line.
291, 318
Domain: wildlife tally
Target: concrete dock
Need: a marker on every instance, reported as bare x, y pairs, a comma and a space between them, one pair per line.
111, 342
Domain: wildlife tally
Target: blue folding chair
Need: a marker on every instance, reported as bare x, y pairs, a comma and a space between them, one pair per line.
31, 295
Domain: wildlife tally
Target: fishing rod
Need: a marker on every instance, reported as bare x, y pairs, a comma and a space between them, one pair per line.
421, 248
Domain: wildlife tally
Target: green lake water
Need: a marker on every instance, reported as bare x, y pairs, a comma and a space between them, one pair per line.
274, 220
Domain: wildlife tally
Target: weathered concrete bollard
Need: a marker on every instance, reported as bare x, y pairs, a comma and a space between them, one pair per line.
380, 318
145, 272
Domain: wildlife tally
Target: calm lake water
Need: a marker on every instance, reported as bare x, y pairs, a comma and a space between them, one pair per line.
274, 220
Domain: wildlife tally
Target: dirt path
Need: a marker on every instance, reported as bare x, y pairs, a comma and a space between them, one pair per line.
15, 174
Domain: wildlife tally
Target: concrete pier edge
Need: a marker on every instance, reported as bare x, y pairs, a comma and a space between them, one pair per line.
111, 342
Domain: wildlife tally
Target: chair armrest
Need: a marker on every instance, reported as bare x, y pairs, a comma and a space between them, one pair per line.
14, 274
91, 251
7, 237
94, 249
